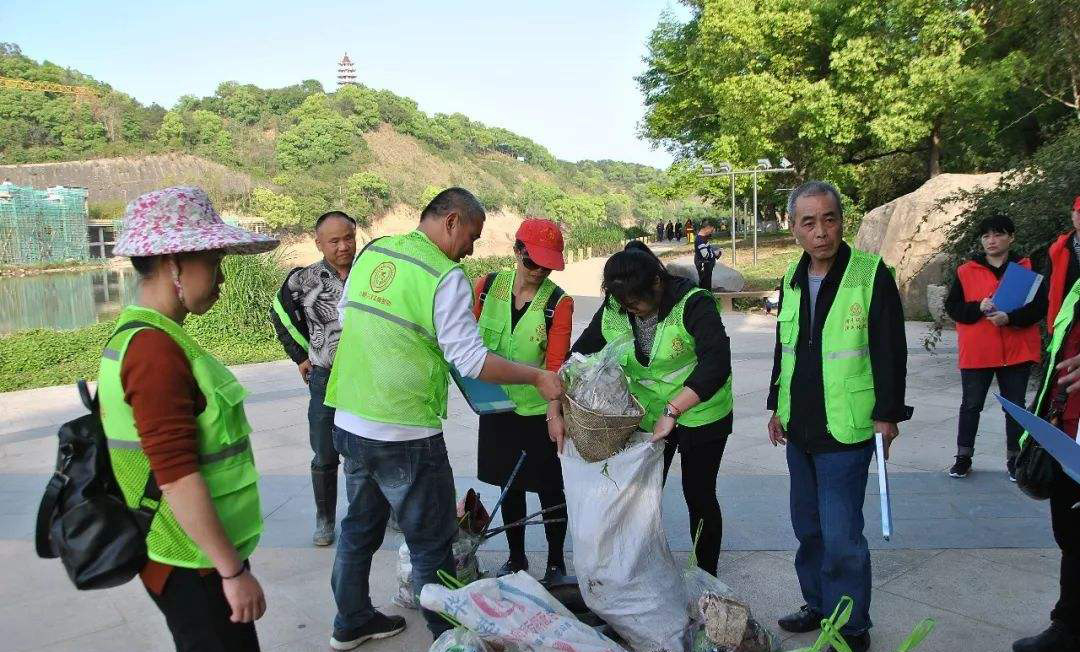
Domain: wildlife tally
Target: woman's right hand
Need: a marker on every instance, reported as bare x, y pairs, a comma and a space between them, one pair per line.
245, 598
986, 306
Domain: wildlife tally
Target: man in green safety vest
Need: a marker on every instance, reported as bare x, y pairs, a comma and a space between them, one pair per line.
838, 377
406, 318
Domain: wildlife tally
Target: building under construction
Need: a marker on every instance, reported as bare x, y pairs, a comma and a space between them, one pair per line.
43, 226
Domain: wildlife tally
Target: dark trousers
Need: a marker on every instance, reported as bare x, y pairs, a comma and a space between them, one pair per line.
415, 480
705, 276
700, 464
1066, 523
1012, 383
197, 613
833, 559
321, 423
513, 509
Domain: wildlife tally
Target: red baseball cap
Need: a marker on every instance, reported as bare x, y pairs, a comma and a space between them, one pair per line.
543, 242
1076, 203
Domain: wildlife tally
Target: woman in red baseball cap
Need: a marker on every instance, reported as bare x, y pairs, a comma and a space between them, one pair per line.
525, 317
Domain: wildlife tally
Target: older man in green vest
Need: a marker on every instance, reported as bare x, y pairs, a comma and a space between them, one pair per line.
838, 377
406, 318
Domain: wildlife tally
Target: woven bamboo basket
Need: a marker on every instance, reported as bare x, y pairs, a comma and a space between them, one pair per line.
598, 436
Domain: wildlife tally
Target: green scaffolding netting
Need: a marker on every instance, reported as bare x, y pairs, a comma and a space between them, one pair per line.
42, 226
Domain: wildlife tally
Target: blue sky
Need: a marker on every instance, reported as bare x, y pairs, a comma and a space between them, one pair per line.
558, 71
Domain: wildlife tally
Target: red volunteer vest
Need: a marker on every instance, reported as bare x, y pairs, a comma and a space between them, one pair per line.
1059, 268
983, 345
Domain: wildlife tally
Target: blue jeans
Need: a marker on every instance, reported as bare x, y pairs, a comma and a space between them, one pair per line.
412, 478
833, 560
321, 422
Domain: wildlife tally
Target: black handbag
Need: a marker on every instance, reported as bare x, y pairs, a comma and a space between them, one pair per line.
83, 518
1035, 470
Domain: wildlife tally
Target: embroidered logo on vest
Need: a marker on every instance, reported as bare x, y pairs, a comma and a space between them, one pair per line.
856, 319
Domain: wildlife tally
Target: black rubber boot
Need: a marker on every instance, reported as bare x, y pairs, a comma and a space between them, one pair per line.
324, 482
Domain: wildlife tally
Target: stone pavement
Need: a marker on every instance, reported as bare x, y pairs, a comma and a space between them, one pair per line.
974, 554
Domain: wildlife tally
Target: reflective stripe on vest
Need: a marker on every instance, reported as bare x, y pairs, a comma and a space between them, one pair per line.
847, 376
672, 359
389, 367
224, 447
526, 342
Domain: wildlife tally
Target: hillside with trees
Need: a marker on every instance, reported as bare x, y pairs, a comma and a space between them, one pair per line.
357, 148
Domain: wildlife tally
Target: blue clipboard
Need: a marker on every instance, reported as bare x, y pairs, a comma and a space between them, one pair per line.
1017, 288
1061, 447
482, 397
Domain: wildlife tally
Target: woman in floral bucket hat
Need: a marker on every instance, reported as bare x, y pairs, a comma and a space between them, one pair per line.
175, 423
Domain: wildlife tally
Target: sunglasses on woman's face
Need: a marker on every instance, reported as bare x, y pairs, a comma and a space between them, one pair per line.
529, 263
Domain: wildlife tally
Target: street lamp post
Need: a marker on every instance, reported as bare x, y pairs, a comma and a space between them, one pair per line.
764, 166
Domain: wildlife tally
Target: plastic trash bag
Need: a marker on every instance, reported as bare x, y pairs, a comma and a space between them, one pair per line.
625, 569
516, 612
597, 382
459, 639
466, 568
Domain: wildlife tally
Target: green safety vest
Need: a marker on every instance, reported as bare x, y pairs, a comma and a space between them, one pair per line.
845, 351
1062, 323
225, 458
671, 361
526, 343
389, 367
287, 322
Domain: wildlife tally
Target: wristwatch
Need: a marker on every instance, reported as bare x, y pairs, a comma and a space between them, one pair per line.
669, 411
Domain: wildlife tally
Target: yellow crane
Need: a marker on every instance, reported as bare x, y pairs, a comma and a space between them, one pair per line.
48, 87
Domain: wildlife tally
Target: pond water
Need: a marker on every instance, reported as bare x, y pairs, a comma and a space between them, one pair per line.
66, 300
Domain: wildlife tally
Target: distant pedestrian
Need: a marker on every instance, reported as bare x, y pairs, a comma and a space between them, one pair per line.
175, 422
992, 343
704, 257
659, 231
306, 320
670, 231
1059, 402
839, 375
690, 232
677, 233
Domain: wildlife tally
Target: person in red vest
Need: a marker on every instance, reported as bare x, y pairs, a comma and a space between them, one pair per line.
992, 343
1064, 266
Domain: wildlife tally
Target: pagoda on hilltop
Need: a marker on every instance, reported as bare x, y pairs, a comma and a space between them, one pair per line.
346, 72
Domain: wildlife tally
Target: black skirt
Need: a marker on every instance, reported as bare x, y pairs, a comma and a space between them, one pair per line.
503, 437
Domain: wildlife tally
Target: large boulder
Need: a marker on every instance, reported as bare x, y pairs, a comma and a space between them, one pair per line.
909, 233
723, 277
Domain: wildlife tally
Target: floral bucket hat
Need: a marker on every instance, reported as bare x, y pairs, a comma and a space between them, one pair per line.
181, 220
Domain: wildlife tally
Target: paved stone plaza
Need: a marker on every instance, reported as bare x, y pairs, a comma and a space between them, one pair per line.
974, 554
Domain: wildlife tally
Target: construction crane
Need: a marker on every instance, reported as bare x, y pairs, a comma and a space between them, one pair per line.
48, 87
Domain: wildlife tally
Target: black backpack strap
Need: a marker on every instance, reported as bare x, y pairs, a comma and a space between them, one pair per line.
552, 303
46, 512
489, 280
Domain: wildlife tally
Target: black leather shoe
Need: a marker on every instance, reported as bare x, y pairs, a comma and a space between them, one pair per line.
857, 642
512, 566
555, 574
1056, 638
802, 621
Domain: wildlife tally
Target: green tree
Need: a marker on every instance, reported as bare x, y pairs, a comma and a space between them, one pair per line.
359, 105
320, 135
172, 132
365, 194
279, 211
244, 103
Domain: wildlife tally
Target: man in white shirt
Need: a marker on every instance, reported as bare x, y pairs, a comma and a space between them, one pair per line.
406, 316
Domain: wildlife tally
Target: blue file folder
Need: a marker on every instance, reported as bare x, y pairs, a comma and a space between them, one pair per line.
1061, 447
1017, 288
483, 398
